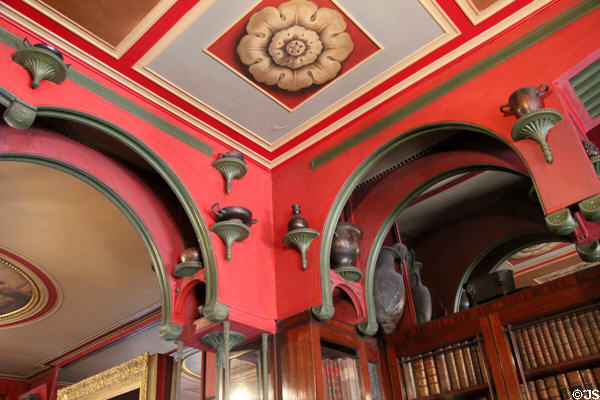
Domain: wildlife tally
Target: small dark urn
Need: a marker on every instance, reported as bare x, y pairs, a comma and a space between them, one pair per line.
297, 221
388, 288
420, 293
344, 250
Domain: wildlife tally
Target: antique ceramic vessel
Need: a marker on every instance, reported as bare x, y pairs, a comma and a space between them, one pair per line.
297, 221
388, 287
234, 212
233, 153
420, 293
525, 100
346, 244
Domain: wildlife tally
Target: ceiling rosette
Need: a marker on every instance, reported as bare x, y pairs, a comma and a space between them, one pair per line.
296, 45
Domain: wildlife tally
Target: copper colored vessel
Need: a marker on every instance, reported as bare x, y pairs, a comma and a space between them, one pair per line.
525, 100
346, 244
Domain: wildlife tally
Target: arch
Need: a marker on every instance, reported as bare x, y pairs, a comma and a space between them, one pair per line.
213, 309
325, 309
525, 238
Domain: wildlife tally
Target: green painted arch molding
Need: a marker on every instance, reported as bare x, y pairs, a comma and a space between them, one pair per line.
213, 310
122, 205
536, 236
325, 310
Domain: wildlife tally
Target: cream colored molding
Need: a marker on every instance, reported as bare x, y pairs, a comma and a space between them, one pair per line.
139, 373
201, 7
475, 15
116, 51
102, 336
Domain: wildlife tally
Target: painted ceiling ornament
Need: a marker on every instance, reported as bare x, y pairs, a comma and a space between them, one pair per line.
295, 45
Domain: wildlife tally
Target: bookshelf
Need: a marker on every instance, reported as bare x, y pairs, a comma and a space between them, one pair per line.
558, 354
452, 370
329, 361
562, 315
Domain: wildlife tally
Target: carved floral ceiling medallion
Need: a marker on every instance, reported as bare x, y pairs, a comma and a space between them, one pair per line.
296, 45
292, 50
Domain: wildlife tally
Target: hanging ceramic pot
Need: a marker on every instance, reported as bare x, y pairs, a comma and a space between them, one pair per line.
420, 293
388, 287
344, 250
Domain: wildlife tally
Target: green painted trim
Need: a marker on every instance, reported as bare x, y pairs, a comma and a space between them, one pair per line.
482, 254
325, 310
162, 168
82, 80
130, 214
458, 80
370, 326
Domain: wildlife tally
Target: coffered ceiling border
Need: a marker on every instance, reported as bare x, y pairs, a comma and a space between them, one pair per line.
436, 12
200, 123
476, 15
116, 51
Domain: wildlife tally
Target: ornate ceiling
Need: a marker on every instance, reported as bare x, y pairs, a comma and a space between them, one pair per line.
268, 77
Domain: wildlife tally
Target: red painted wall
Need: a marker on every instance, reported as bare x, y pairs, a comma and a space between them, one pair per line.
11, 389
568, 180
247, 282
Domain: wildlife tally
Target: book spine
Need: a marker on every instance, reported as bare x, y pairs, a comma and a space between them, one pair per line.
529, 348
564, 339
558, 344
420, 377
586, 329
330, 381
537, 349
522, 350
461, 368
410, 380
477, 366
452, 368
532, 390
593, 324
469, 365
579, 335
550, 343
596, 372
344, 381
563, 386
552, 388
338, 380
571, 337
431, 374
588, 379
575, 381
443, 374
543, 345
540, 387
325, 378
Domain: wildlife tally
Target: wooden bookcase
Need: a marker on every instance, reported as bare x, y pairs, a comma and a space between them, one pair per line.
493, 330
329, 361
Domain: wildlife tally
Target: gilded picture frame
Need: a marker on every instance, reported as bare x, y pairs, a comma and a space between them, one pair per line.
139, 373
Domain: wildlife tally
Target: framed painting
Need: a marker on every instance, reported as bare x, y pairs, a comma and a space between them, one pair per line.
132, 380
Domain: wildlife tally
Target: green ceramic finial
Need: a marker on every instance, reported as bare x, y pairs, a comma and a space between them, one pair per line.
232, 230
42, 61
535, 126
231, 168
300, 238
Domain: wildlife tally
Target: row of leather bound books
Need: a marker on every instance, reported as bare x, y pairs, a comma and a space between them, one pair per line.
341, 379
563, 338
562, 386
445, 369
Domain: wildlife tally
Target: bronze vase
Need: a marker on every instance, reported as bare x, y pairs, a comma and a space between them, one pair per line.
345, 248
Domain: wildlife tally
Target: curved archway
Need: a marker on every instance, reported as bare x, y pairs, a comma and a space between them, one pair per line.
495, 253
325, 309
213, 309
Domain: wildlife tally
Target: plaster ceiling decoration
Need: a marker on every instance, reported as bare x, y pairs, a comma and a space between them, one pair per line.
534, 250
27, 294
129, 19
182, 56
